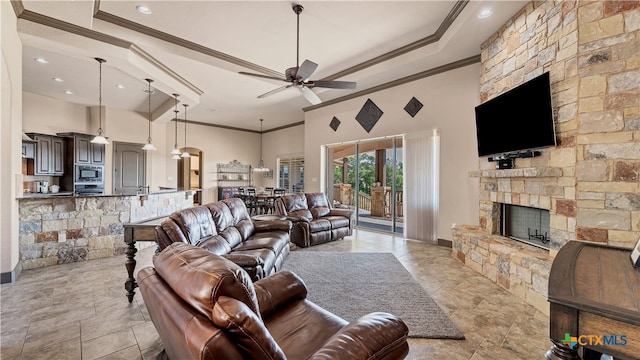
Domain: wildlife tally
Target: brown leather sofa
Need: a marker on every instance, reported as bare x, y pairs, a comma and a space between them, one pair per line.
314, 221
225, 228
205, 307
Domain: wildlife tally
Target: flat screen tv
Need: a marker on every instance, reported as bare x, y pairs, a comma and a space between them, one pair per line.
518, 120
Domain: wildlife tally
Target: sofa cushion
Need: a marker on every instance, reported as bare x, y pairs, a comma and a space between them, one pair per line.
296, 204
318, 204
319, 225
274, 240
216, 245
200, 277
221, 214
196, 223
338, 221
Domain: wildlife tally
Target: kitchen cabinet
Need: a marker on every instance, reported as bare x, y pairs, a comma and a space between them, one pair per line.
49, 155
87, 152
28, 149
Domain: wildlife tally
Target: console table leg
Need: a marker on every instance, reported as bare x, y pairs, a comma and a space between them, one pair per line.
560, 351
130, 264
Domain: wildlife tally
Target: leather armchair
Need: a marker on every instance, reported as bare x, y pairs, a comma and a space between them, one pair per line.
314, 220
206, 307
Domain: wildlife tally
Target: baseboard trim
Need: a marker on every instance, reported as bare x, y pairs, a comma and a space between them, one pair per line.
445, 243
11, 276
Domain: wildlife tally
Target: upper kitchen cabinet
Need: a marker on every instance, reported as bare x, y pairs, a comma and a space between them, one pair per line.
84, 151
49, 155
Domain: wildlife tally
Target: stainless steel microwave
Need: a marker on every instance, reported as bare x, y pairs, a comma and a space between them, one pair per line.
89, 174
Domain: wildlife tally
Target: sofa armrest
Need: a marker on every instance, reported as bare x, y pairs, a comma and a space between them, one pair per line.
270, 225
253, 265
244, 260
342, 212
378, 335
297, 218
278, 290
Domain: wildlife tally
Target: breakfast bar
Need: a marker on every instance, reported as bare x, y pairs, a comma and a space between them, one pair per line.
64, 228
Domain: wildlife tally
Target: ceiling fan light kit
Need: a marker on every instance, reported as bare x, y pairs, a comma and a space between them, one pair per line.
298, 76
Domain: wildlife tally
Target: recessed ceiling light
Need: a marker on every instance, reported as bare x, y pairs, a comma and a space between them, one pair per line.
212, 109
485, 13
41, 60
120, 86
57, 79
68, 92
143, 9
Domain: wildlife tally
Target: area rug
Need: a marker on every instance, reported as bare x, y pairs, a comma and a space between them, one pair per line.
351, 285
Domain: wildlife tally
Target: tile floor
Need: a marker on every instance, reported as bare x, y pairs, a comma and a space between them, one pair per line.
80, 311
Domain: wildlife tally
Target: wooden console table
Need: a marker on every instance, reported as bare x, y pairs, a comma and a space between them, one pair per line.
139, 231
594, 290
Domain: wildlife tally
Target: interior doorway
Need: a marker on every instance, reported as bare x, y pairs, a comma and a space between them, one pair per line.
367, 176
129, 164
190, 173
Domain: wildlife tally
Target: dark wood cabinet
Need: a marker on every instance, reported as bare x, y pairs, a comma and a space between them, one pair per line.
87, 152
49, 155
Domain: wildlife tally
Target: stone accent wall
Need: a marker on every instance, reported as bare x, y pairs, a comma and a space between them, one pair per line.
589, 182
59, 230
608, 124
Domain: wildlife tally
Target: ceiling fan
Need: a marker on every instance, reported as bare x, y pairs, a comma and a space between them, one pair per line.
298, 76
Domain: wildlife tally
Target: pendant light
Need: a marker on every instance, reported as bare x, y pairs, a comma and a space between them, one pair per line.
185, 153
99, 139
175, 152
260, 167
149, 146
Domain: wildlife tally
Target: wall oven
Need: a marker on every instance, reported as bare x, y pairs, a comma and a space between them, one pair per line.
89, 174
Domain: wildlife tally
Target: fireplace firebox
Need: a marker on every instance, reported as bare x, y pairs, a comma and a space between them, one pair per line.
526, 224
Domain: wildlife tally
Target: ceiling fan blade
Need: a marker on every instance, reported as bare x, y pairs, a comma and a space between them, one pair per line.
332, 84
306, 69
273, 91
262, 76
309, 95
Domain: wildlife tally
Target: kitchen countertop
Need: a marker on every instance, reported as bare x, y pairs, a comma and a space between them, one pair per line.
71, 194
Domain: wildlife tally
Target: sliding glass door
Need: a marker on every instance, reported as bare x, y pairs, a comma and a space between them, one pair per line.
367, 176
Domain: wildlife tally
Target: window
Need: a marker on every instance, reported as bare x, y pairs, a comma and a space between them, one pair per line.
291, 173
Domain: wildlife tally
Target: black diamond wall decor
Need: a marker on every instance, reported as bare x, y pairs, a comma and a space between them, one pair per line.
334, 123
413, 106
369, 115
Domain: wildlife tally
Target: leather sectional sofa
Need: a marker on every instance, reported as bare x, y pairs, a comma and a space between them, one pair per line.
314, 221
205, 307
225, 228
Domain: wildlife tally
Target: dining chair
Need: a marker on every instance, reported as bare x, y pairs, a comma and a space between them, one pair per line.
250, 200
270, 207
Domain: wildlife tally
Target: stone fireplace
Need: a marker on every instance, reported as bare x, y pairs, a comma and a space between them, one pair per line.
589, 182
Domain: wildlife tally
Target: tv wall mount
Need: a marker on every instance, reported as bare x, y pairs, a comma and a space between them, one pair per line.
507, 160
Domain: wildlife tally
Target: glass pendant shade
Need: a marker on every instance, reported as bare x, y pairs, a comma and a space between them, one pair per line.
175, 152
149, 146
185, 154
260, 166
99, 139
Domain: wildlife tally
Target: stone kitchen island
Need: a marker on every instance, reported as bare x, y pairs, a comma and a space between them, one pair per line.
58, 229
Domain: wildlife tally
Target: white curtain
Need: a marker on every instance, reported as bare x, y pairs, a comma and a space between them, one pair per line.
421, 181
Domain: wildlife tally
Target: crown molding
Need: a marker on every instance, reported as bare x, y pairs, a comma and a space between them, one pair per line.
423, 74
